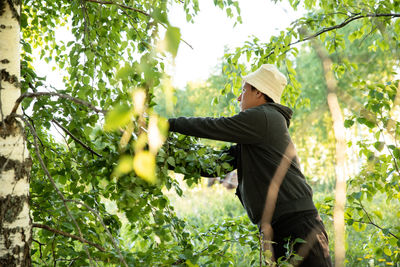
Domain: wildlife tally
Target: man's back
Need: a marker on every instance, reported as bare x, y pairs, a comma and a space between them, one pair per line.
262, 138
271, 186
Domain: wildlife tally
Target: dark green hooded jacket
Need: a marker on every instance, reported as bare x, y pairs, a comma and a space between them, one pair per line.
262, 136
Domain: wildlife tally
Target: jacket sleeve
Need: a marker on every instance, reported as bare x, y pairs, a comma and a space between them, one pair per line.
247, 127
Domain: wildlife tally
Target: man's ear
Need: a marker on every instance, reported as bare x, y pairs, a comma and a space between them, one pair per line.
259, 94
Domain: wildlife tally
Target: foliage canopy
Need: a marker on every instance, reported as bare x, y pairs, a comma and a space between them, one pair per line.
116, 151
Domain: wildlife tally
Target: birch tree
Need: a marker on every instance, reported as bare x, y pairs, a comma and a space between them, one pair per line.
15, 222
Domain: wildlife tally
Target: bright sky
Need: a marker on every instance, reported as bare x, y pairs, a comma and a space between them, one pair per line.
212, 31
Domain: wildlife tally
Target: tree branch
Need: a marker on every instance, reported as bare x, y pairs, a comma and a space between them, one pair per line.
104, 226
180, 261
370, 221
71, 260
59, 232
377, 226
40, 247
390, 152
133, 9
75, 138
47, 173
84, 14
344, 23
338, 26
68, 97
374, 224
120, 5
80, 238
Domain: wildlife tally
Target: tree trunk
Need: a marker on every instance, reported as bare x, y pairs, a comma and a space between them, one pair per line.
15, 164
341, 170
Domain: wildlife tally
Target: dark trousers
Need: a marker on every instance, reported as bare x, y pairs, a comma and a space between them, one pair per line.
309, 227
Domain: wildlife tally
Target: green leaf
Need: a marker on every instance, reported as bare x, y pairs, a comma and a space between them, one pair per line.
348, 123
226, 166
379, 146
386, 231
124, 72
178, 190
144, 164
370, 124
86, 79
27, 48
378, 214
160, 15
189, 182
299, 240
357, 195
219, 170
125, 165
359, 227
387, 251
172, 40
396, 153
118, 117
23, 20
171, 161
361, 120
352, 37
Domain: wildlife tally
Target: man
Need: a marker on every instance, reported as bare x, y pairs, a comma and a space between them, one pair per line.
271, 186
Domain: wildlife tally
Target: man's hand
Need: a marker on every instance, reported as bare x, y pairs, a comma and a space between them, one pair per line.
267, 234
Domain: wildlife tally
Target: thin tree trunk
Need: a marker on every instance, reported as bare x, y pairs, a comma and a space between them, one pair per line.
339, 130
15, 164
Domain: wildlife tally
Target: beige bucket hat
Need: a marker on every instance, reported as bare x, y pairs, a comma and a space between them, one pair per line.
268, 80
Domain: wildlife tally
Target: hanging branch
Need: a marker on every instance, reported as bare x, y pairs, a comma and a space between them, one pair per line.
84, 16
374, 224
396, 167
70, 260
180, 261
59, 232
133, 9
104, 226
355, 16
120, 5
68, 97
46, 171
40, 248
76, 139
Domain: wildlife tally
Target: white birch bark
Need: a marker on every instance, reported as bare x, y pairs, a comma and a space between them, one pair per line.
341, 166
15, 222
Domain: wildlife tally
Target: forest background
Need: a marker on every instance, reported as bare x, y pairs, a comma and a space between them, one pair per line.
104, 196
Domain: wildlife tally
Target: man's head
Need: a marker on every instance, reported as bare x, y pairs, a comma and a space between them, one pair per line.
267, 80
251, 97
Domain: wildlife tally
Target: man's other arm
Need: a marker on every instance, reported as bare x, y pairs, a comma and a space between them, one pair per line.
227, 155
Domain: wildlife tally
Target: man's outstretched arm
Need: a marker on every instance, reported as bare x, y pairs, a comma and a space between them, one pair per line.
247, 127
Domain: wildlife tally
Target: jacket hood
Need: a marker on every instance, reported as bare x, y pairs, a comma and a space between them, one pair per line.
285, 111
